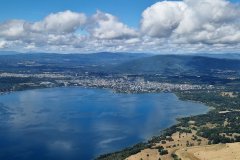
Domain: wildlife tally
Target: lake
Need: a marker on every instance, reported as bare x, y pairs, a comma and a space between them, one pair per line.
81, 123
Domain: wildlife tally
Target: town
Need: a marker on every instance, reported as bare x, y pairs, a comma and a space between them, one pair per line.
122, 84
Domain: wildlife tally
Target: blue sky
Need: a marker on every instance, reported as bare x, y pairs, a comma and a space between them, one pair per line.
120, 26
129, 11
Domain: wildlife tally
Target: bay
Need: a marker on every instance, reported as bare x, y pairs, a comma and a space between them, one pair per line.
82, 123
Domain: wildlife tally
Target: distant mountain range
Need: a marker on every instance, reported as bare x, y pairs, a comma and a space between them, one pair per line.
8, 53
178, 64
120, 63
223, 56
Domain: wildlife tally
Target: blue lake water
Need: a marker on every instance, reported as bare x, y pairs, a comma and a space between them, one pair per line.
81, 123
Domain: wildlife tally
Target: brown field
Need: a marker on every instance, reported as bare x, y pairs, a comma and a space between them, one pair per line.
197, 150
211, 152
149, 154
179, 141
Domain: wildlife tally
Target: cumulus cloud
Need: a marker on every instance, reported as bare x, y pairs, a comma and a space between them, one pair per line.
162, 18
2, 43
12, 29
58, 23
165, 27
57, 30
191, 21
107, 26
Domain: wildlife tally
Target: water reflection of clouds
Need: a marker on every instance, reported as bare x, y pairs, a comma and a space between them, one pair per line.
105, 143
61, 145
161, 106
70, 119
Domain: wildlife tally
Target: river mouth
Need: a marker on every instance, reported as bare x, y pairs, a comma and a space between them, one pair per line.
82, 123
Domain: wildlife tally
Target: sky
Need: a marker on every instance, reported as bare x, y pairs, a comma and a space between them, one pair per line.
86, 26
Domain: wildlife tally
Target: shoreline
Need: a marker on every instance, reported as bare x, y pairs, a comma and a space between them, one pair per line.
162, 132
176, 120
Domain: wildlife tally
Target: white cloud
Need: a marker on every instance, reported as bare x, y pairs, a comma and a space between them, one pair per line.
165, 27
2, 44
162, 18
56, 31
106, 26
58, 23
11, 29
191, 21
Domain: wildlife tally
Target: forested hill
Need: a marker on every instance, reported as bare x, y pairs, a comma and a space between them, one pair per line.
120, 63
177, 64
